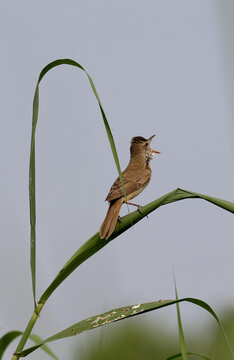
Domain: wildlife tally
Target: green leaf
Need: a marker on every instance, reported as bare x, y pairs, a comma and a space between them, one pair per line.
32, 192
95, 244
12, 335
116, 315
37, 340
7, 339
181, 332
188, 353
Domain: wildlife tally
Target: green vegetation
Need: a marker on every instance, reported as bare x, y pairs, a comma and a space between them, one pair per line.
139, 339
95, 244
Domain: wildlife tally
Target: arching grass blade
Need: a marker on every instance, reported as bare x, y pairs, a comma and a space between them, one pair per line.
94, 244
117, 315
32, 194
12, 335
6, 340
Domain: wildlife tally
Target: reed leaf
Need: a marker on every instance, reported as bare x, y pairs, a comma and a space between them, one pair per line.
32, 192
95, 244
188, 353
181, 332
6, 339
117, 315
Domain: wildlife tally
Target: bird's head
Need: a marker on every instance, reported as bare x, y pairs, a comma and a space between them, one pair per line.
140, 145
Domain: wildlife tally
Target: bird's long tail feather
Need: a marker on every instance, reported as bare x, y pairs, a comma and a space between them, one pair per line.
109, 223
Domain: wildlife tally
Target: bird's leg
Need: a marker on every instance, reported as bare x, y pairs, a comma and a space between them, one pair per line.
138, 206
119, 219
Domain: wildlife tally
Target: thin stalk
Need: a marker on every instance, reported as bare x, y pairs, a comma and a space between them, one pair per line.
27, 331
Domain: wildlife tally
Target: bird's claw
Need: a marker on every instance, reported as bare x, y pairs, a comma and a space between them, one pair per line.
138, 209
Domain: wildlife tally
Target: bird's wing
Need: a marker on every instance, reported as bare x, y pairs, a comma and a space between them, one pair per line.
130, 184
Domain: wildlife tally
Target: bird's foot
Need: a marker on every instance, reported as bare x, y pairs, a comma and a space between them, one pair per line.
138, 207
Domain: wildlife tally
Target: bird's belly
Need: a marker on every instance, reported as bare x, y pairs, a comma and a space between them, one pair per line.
128, 197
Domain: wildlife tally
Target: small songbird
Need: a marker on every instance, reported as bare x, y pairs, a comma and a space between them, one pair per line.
135, 177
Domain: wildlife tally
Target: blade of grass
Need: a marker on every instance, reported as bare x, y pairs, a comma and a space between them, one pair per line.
12, 335
94, 244
189, 353
37, 340
32, 195
117, 315
6, 340
181, 332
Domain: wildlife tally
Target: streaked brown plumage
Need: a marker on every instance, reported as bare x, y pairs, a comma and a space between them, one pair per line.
135, 177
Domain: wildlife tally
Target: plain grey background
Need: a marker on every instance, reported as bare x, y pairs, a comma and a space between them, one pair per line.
160, 67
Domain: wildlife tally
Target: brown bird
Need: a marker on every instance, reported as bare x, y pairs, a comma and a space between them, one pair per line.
135, 177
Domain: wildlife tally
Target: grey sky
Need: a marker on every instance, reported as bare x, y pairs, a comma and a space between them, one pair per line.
162, 67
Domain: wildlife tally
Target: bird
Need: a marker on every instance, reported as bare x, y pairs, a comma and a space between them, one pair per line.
136, 177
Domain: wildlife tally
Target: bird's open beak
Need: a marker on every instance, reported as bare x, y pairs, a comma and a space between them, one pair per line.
151, 137
153, 151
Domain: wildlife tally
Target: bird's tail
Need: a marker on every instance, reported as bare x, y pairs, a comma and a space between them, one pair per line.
108, 225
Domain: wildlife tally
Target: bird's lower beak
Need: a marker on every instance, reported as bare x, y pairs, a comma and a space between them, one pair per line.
153, 151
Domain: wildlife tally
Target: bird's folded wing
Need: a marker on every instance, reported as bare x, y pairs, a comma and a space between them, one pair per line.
130, 184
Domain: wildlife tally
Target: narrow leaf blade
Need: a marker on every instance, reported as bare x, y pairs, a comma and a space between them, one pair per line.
94, 244
37, 340
12, 335
117, 315
7, 339
189, 353
32, 191
181, 332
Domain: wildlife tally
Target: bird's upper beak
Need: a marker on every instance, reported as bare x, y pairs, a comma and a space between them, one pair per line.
153, 151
